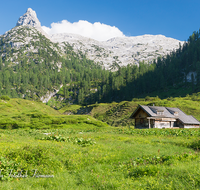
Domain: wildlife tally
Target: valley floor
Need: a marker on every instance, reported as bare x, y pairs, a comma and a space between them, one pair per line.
99, 158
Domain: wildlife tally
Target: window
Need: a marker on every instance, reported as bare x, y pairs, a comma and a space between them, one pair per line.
176, 113
160, 112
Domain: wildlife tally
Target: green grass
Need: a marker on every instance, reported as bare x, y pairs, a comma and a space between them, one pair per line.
118, 114
81, 152
69, 109
20, 113
116, 158
16, 106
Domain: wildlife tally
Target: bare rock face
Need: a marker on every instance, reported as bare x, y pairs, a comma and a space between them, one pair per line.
29, 18
120, 50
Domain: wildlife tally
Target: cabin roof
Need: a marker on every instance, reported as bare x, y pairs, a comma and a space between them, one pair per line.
167, 112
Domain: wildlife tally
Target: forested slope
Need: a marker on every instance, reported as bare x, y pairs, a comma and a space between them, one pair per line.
31, 66
177, 74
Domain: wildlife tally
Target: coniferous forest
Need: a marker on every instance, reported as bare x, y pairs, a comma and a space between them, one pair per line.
82, 81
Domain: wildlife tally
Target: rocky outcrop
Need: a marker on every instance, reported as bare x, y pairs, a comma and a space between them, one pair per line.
120, 50
29, 18
48, 96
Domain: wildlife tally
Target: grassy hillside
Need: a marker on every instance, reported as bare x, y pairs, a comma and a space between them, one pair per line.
118, 114
19, 113
17, 106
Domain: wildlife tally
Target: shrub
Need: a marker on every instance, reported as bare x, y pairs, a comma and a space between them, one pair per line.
8, 124
70, 121
144, 171
58, 120
195, 145
4, 97
37, 115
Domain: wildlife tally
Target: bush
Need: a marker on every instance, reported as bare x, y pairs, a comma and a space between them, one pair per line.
141, 171
58, 121
70, 121
148, 98
195, 145
38, 115
8, 124
4, 97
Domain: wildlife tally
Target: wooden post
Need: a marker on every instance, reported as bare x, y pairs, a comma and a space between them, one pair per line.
149, 123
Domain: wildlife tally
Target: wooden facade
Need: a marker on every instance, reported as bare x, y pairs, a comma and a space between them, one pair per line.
161, 117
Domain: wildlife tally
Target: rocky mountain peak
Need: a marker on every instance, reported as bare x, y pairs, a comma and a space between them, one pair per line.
118, 50
29, 18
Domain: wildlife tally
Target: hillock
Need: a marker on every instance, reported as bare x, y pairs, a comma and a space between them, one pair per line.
19, 113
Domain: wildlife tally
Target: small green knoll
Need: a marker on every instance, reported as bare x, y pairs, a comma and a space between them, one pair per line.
20, 113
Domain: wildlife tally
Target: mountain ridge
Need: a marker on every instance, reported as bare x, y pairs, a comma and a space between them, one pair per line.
119, 50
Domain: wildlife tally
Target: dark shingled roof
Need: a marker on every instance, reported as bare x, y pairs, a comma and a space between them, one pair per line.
175, 113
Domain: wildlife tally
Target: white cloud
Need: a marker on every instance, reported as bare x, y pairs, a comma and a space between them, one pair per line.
97, 31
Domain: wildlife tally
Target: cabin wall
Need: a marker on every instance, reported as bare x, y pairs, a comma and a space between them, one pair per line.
141, 123
179, 124
191, 126
141, 119
162, 124
141, 114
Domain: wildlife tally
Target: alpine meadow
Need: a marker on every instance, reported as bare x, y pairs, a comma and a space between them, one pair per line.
66, 103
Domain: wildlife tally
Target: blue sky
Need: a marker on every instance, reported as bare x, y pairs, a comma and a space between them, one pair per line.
172, 18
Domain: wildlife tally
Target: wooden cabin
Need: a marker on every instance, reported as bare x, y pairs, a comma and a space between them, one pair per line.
162, 117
